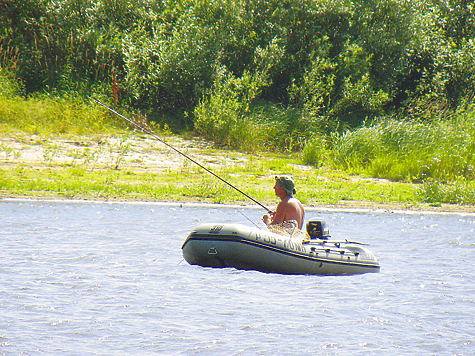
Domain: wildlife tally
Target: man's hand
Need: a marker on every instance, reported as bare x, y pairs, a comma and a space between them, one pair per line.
267, 218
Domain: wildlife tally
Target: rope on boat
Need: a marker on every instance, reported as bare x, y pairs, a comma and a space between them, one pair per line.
288, 229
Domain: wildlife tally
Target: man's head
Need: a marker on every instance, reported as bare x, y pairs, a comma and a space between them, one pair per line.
287, 184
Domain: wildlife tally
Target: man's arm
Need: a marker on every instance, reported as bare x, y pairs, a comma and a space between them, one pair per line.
280, 212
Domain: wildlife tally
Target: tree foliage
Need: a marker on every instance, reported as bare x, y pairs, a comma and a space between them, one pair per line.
337, 64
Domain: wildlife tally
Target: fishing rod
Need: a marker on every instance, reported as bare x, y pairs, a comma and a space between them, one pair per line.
179, 152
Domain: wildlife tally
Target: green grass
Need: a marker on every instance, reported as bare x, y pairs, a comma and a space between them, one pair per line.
436, 193
192, 185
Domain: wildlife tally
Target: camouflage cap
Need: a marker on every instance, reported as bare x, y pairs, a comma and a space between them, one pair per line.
287, 184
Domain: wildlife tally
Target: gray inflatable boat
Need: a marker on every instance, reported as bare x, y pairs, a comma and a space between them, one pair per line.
250, 248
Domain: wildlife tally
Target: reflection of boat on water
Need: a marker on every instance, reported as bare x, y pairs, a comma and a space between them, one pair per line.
251, 248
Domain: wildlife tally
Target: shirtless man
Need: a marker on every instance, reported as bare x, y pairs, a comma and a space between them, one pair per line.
289, 208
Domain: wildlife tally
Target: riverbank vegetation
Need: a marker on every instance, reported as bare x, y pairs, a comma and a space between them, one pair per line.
374, 89
96, 169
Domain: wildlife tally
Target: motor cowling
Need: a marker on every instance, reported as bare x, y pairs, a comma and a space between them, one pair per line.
317, 228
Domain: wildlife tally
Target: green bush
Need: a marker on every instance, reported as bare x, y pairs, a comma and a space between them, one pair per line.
228, 114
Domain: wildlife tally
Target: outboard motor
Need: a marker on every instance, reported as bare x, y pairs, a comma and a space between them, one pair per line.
317, 228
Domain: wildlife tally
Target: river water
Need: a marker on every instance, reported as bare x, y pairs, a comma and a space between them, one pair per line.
109, 279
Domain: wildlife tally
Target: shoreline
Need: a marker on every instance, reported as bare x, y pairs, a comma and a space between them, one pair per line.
322, 209
84, 168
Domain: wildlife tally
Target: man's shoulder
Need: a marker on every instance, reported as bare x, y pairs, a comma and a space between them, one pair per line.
294, 200
292, 203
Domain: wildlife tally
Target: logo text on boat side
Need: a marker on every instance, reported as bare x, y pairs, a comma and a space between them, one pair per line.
216, 229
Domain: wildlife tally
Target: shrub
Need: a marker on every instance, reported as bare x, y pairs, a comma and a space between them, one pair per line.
228, 114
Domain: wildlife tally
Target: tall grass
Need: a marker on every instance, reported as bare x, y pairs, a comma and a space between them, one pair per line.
440, 155
411, 151
48, 114
53, 115
315, 151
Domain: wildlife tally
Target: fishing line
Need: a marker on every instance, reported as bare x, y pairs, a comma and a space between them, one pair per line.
179, 152
248, 218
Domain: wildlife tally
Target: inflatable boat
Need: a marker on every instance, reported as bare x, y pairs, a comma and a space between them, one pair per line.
251, 248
